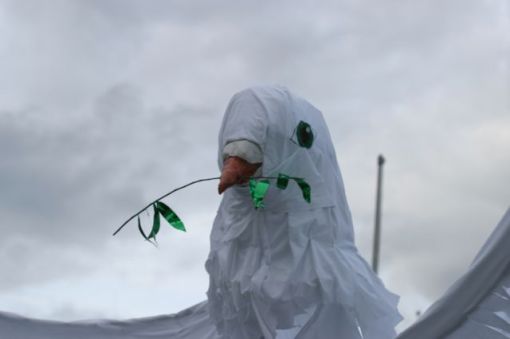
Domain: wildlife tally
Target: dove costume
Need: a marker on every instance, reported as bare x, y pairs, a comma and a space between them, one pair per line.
292, 265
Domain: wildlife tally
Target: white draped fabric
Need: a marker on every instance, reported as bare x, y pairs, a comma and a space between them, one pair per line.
269, 267
477, 306
192, 323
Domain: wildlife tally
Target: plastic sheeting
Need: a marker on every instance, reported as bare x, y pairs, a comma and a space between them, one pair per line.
192, 323
477, 306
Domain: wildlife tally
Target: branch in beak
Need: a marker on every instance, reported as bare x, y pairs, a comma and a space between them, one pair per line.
235, 171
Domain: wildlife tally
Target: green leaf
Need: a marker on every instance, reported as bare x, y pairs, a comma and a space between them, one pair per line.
283, 181
143, 233
170, 216
141, 229
305, 189
258, 190
155, 223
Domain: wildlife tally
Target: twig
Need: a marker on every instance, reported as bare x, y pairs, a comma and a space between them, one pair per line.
171, 192
162, 197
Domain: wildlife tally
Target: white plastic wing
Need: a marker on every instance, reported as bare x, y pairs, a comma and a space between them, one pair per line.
477, 306
192, 323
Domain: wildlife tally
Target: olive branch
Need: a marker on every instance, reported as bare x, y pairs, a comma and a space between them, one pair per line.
258, 189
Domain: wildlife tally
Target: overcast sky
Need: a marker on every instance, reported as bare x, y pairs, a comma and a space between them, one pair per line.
107, 104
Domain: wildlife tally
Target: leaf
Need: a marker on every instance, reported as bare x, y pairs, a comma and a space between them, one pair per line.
305, 189
170, 216
283, 181
143, 233
155, 223
141, 230
258, 190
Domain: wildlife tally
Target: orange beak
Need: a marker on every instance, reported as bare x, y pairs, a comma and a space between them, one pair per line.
235, 171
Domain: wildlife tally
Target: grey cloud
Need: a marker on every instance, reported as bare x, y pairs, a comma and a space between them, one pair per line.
66, 186
32, 262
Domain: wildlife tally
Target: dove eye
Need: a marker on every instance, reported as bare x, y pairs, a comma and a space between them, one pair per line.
304, 134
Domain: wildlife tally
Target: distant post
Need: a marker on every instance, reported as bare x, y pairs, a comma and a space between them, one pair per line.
378, 202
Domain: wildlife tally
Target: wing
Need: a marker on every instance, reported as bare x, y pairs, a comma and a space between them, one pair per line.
477, 305
191, 323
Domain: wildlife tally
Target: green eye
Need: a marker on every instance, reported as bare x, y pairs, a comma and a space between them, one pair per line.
304, 134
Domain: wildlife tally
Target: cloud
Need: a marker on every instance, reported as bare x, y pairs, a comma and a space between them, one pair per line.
66, 185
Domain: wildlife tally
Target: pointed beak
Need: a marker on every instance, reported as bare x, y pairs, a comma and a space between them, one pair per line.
235, 171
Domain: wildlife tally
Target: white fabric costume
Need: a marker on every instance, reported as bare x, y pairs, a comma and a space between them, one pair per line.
273, 267
288, 270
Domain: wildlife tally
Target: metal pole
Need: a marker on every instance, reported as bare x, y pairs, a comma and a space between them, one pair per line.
377, 228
